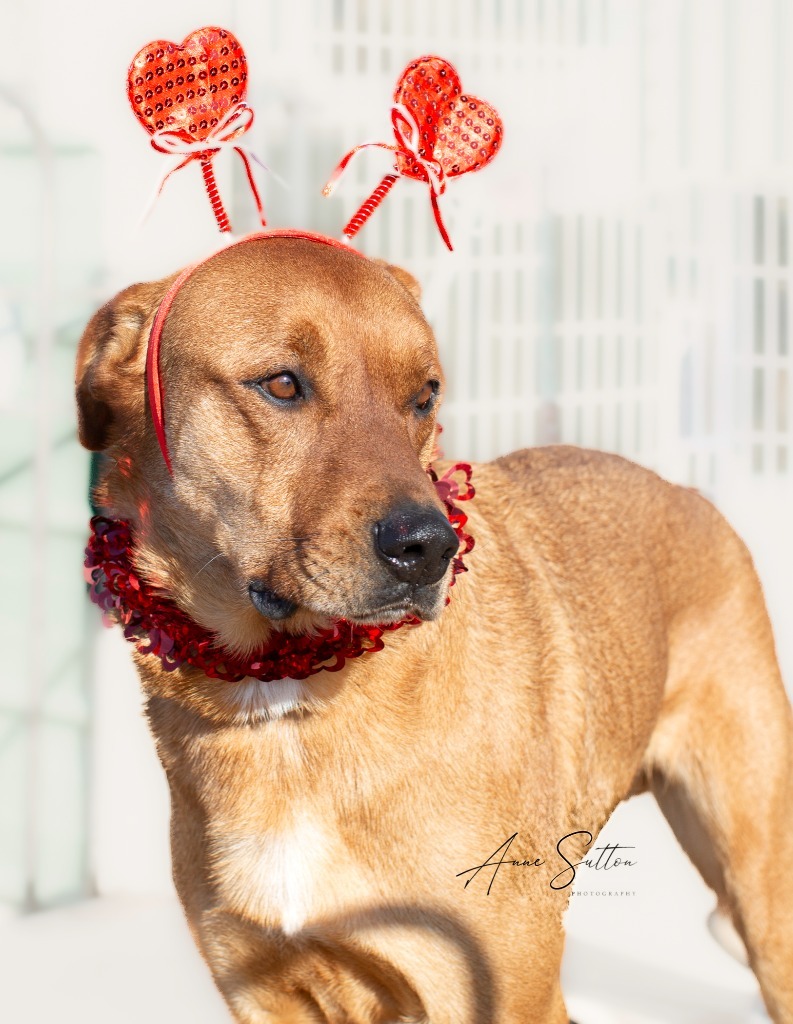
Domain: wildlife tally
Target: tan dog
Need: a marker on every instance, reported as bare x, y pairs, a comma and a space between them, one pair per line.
610, 636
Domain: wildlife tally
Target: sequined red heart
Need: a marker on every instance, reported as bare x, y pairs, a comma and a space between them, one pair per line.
462, 133
188, 88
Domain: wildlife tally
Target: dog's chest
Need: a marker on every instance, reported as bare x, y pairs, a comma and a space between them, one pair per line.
292, 875
275, 876
277, 852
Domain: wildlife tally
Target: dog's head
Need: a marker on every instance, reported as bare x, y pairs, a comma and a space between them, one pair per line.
301, 388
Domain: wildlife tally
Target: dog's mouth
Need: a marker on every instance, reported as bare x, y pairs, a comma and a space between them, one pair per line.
277, 608
421, 602
384, 615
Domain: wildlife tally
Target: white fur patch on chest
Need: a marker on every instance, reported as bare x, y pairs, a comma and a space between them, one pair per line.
259, 701
275, 877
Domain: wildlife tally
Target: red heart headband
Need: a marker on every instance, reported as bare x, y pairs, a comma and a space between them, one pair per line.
440, 133
190, 98
154, 383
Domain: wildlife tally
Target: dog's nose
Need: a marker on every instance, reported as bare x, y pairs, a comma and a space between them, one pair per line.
415, 543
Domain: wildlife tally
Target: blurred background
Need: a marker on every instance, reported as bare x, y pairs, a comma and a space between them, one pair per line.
622, 279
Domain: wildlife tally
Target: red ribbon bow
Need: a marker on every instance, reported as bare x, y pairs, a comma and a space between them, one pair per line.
409, 146
234, 123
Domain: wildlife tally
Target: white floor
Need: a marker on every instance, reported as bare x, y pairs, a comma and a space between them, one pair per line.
109, 961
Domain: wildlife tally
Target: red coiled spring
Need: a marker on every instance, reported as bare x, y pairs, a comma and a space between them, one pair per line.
214, 195
367, 209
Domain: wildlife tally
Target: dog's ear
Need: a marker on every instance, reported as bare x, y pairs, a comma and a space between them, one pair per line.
406, 279
110, 362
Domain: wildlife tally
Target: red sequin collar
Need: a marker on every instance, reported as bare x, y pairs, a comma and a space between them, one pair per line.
157, 626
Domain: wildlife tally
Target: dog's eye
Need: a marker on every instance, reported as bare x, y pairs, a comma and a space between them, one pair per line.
426, 397
282, 386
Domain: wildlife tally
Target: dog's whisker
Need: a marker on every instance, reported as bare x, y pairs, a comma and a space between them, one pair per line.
307, 563
206, 565
318, 585
313, 579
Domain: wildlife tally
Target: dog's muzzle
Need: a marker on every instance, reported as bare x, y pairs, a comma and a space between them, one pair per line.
416, 544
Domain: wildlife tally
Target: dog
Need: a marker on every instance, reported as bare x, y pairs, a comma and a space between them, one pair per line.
333, 837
